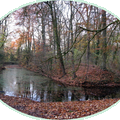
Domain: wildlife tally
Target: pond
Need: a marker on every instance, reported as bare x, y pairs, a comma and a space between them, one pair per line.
20, 82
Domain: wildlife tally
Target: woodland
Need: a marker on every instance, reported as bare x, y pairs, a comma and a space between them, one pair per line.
71, 42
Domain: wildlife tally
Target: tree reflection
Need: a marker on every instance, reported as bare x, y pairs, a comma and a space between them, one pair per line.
42, 89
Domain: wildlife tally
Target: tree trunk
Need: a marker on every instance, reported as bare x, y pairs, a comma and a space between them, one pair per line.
97, 51
98, 24
72, 56
104, 40
88, 39
43, 31
57, 38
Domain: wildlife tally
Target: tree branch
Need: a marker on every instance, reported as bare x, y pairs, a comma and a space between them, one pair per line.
99, 30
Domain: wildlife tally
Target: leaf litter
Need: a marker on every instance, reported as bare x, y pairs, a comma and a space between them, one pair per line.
57, 110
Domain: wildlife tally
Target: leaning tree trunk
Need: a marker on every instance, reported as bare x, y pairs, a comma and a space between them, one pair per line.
57, 38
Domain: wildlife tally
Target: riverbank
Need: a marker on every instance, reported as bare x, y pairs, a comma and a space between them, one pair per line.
2, 67
93, 77
57, 110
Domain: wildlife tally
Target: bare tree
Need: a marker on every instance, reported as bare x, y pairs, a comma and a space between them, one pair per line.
55, 30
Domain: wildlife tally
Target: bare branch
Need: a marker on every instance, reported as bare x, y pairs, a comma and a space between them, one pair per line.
99, 30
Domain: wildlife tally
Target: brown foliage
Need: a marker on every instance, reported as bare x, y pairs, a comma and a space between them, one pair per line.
57, 110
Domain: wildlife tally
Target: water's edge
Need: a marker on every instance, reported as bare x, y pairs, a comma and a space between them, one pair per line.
17, 81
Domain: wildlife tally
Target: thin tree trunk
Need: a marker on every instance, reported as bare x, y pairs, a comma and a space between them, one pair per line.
88, 40
104, 40
97, 51
72, 56
43, 30
98, 38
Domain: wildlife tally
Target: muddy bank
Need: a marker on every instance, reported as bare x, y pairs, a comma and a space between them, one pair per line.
94, 77
2, 68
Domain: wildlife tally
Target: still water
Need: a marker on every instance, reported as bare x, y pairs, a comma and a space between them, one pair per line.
23, 83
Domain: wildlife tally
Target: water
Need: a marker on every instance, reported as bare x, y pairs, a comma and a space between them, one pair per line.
23, 83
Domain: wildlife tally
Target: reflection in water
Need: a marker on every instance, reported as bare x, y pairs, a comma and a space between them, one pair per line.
23, 83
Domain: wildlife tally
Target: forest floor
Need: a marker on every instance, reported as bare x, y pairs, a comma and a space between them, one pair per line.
93, 77
57, 110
